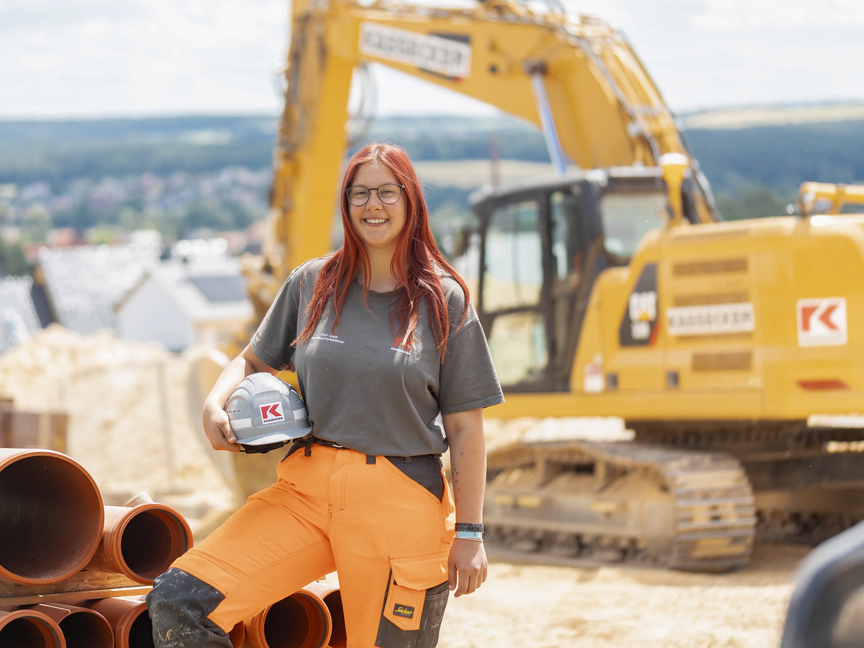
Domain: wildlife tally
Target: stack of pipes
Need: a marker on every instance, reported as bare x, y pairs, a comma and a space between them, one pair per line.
54, 525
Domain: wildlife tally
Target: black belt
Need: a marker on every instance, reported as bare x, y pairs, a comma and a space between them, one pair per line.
326, 443
307, 443
423, 469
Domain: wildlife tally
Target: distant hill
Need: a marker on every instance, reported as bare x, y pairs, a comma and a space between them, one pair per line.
750, 116
774, 147
145, 130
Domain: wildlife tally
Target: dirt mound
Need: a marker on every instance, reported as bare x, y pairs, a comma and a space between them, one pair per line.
129, 421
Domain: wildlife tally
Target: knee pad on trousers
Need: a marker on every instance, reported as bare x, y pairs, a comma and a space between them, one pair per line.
179, 605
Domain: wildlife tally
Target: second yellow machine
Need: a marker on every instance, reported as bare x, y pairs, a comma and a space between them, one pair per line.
611, 290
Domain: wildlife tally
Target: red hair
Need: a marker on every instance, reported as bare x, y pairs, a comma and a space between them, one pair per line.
415, 264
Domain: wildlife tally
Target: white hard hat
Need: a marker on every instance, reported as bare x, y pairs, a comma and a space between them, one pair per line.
266, 413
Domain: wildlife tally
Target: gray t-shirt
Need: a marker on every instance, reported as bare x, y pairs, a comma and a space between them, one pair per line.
364, 387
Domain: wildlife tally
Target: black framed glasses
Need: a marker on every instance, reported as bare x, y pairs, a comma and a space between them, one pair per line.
387, 193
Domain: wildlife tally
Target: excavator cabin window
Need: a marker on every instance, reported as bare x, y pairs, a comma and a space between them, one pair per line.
512, 287
532, 258
541, 249
628, 216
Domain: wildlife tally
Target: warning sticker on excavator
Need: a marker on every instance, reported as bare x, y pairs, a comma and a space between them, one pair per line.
445, 55
822, 322
593, 378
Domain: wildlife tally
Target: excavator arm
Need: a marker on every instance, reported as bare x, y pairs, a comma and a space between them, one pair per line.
574, 77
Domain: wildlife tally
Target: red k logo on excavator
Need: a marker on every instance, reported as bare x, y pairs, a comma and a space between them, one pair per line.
822, 322
272, 413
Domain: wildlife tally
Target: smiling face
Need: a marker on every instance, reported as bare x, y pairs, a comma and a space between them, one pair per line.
376, 224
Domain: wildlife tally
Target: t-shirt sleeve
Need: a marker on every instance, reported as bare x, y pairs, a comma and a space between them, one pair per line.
272, 341
468, 379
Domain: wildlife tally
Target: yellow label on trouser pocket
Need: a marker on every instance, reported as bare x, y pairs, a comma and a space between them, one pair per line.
404, 606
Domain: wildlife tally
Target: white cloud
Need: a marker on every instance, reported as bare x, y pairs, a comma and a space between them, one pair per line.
735, 16
705, 53
110, 57
160, 56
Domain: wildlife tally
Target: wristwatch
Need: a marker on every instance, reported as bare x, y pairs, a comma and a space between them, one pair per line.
469, 531
470, 526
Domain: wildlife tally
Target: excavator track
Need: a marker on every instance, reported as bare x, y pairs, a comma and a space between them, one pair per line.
682, 509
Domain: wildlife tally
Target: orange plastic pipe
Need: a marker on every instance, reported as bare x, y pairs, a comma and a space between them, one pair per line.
129, 619
301, 620
237, 636
51, 516
82, 628
24, 627
141, 541
332, 597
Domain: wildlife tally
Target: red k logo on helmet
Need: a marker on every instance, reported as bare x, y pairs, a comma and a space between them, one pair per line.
272, 413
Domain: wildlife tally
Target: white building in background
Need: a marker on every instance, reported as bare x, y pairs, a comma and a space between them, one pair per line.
83, 283
183, 303
18, 317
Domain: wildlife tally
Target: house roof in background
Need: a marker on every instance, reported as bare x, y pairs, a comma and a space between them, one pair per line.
18, 318
85, 282
220, 288
207, 289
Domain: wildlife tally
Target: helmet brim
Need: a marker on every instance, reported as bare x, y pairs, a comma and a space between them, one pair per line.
270, 438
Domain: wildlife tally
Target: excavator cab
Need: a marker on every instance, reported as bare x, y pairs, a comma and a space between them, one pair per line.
536, 255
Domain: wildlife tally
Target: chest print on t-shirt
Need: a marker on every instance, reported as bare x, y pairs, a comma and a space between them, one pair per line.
328, 337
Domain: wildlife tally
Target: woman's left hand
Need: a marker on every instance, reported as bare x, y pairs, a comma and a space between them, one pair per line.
467, 566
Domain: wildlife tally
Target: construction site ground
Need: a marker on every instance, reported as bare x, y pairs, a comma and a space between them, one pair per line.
130, 426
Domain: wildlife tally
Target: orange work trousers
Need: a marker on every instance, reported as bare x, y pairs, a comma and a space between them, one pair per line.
387, 537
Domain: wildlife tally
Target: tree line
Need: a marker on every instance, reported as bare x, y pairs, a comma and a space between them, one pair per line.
775, 157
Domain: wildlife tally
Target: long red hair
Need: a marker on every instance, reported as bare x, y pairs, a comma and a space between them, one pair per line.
416, 263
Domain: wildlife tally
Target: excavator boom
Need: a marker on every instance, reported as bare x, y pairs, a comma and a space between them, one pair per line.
572, 76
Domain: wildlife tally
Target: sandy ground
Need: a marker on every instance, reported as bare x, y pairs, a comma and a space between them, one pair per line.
524, 605
120, 431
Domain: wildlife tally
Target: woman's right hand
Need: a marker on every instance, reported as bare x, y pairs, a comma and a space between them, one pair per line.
216, 424
218, 428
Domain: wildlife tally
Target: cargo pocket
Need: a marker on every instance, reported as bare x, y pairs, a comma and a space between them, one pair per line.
417, 594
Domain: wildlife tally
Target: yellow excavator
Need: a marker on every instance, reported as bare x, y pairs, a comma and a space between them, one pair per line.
613, 289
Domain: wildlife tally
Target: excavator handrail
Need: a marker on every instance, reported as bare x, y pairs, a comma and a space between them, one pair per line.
810, 193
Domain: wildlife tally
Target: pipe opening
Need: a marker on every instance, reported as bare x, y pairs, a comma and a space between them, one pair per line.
151, 541
26, 632
141, 631
87, 630
51, 513
338, 636
295, 622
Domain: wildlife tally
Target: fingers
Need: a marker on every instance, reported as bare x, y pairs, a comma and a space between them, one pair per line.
228, 433
219, 433
467, 566
225, 441
469, 582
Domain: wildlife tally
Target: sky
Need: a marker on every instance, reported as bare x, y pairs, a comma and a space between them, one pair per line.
101, 58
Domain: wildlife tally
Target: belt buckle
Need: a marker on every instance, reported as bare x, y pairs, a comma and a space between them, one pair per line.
328, 444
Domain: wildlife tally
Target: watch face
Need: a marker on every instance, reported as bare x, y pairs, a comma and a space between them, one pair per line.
469, 526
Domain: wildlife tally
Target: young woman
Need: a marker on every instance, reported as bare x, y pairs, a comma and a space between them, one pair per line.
383, 338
